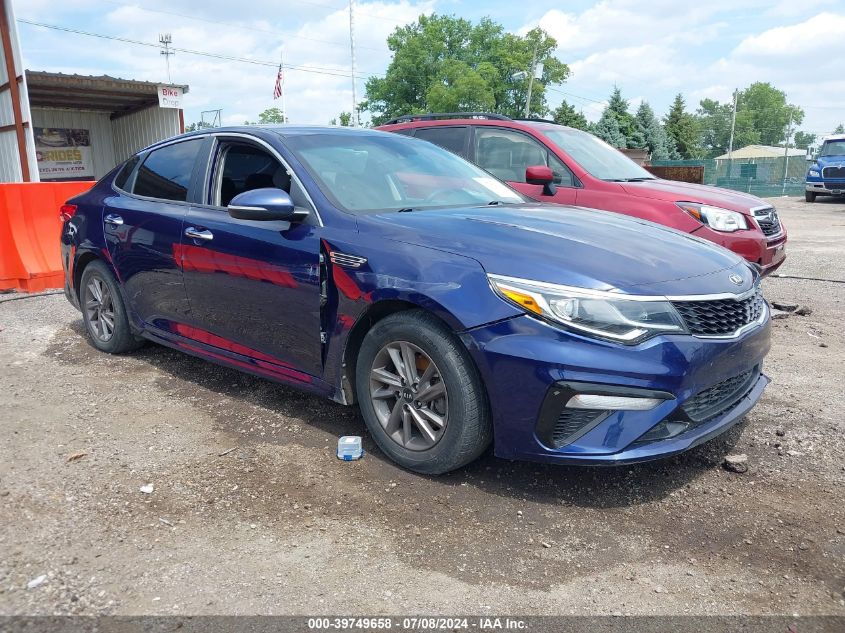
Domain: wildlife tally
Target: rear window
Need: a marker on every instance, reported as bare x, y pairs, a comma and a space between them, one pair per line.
166, 172
123, 175
452, 138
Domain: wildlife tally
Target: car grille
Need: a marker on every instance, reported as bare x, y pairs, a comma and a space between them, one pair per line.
721, 317
714, 401
833, 172
768, 220
571, 422
837, 186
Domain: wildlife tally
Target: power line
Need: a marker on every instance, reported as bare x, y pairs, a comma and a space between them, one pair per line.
235, 25
335, 72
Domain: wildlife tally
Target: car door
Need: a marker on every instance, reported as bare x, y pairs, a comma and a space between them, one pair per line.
507, 153
142, 225
253, 286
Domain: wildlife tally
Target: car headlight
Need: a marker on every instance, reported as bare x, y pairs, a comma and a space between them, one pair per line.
606, 315
716, 218
813, 173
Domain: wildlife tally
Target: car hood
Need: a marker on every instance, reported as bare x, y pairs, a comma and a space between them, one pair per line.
674, 191
827, 161
572, 246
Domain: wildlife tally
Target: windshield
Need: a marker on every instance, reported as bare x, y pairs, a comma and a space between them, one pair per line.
597, 157
833, 148
372, 173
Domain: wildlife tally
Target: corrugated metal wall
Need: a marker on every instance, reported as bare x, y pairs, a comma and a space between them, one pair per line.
143, 128
99, 125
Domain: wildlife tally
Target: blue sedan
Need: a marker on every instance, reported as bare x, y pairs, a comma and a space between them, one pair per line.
383, 271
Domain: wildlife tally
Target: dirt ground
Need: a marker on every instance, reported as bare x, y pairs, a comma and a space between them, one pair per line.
252, 513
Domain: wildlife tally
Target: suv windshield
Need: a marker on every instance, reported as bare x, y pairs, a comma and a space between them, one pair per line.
597, 157
372, 173
833, 148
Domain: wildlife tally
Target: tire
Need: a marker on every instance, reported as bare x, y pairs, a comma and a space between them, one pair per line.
97, 312
467, 430
809, 196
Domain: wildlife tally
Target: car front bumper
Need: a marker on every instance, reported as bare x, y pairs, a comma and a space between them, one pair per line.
767, 252
526, 364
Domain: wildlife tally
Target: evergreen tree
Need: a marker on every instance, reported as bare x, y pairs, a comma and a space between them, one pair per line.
566, 114
682, 128
617, 107
840, 129
607, 129
654, 136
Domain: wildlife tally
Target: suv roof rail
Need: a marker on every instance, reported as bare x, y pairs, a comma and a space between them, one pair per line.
536, 120
431, 116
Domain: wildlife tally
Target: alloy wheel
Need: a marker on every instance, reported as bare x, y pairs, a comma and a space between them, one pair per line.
99, 307
409, 396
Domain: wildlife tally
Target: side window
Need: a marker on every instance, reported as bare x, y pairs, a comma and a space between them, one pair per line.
122, 177
243, 167
166, 172
451, 138
506, 154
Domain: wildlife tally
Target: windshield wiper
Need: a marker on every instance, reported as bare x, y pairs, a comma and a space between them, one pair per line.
407, 209
638, 179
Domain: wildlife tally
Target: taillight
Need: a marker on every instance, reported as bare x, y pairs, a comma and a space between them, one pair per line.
66, 212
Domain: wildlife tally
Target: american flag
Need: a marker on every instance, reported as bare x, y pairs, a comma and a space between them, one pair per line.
277, 91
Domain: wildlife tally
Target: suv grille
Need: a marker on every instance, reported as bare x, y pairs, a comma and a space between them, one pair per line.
721, 317
833, 172
719, 398
768, 221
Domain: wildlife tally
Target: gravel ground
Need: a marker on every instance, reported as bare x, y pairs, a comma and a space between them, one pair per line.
251, 513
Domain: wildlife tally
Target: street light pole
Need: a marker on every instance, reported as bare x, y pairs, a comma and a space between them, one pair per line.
355, 121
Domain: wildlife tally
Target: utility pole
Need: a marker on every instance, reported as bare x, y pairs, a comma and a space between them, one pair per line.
786, 152
165, 40
531, 82
731, 142
355, 121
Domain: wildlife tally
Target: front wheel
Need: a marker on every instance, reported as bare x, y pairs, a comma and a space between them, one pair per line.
420, 394
809, 196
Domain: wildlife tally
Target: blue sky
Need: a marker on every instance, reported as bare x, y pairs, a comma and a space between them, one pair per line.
651, 49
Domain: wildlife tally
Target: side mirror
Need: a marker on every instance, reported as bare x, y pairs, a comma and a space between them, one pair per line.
265, 204
541, 175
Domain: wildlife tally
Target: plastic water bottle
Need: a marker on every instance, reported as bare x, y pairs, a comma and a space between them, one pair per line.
349, 448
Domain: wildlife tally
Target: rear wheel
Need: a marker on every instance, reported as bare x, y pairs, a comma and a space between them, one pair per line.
103, 311
420, 394
809, 196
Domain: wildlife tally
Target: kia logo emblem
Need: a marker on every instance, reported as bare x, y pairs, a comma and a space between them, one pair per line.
736, 279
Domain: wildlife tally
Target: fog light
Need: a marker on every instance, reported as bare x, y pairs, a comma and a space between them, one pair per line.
611, 403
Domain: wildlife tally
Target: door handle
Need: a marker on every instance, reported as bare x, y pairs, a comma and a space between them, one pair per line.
198, 234
113, 219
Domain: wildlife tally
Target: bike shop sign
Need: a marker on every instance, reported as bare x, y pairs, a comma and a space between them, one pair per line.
169, 97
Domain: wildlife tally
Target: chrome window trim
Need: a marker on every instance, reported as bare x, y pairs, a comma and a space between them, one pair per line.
278, 157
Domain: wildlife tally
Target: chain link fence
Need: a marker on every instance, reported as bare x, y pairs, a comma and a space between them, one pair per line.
764, 177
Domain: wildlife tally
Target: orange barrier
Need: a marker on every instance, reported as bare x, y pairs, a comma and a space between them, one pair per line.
30, 259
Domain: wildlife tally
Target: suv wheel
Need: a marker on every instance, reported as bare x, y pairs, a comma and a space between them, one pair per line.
103, 311
420, 394
809, 196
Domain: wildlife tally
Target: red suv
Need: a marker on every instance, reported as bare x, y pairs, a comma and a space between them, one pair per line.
554, 163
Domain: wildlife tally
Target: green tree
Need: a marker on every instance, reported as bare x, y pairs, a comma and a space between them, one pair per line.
840, 129
345, 119
714, 120
803, 140
566, 114
271, 115
607, 129
768, 111
447, 63
617, 107
199, 125
654, 136
683, 130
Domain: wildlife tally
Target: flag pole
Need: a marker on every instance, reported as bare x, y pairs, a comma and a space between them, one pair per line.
284, 96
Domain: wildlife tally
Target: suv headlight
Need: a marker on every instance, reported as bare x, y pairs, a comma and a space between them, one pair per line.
716, 218
814, 173
619, 318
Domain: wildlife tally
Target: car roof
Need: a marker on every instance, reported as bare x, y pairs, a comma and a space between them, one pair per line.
518, 124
